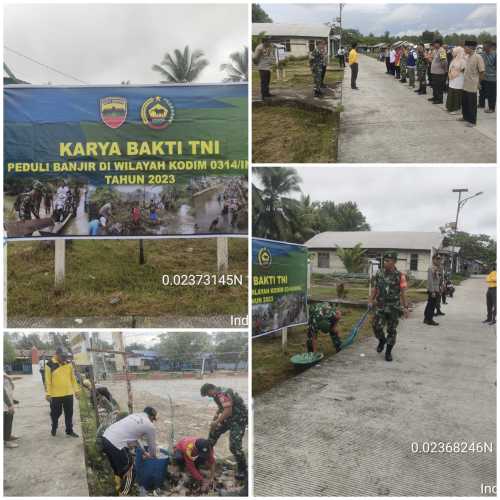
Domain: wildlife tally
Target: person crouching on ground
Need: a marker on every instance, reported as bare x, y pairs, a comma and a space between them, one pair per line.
263, 58
353, 63
473, 74
323, 317
117, 439
455, 81
491, 296
191, 453
388, 295
60, 387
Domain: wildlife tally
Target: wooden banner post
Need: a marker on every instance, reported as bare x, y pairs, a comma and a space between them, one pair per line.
222, 254
284, 339
59, 263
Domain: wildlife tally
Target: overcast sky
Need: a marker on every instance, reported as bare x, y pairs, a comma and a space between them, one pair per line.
109, 43
408, 198
399, 19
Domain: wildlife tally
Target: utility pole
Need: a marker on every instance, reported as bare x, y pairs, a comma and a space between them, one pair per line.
341, 6
460, 203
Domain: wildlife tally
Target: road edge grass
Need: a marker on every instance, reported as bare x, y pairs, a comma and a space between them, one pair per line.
100, 478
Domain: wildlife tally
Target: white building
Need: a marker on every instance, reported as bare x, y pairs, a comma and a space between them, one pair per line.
298, 39
415, 249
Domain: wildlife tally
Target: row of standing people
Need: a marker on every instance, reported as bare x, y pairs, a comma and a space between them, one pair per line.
460, 72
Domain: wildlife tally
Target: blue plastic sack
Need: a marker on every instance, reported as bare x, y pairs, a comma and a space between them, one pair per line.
150, 473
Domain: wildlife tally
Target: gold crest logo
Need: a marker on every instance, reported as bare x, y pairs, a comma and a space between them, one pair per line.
157, 113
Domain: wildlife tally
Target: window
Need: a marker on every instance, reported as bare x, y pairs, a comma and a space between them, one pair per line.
288, 47
312, 44
414, 262
324, 259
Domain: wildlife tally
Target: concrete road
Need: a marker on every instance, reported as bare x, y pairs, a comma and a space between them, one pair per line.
346, 428
386, 122
42, 465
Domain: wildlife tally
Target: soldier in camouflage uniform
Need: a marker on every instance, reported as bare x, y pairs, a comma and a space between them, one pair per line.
403, 63
318, 60
232, 416
421, 70
388, 293
29, 203
323, 317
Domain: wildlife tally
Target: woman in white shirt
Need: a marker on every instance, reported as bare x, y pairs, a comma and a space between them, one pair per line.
455, 81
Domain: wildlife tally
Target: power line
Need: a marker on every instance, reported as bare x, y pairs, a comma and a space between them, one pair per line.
44, 65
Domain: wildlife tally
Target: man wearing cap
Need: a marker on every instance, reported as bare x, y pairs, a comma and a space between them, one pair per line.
388, 295
473, 74
433, 290
192, 453
232, 416
125, 433
263, 58
439, 70
60, 386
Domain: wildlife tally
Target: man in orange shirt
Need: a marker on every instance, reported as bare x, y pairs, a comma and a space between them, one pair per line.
192, 453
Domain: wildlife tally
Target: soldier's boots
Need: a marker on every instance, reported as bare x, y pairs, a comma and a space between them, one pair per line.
388, 349
431, 322
381, 344
242, 473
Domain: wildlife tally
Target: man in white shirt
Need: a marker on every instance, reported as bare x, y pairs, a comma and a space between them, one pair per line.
392, 61
119, 436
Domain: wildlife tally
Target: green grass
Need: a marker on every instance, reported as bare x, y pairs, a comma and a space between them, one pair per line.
99, 473
287, 133
298, 75
270, 366
98, 271
293, 135
360, 293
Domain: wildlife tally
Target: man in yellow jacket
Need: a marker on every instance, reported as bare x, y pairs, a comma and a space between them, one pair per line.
60, 386
353, 63
491, 296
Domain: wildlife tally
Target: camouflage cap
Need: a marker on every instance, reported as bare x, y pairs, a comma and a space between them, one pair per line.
391, 254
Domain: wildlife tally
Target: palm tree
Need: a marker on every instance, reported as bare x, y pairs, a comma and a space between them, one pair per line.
237, 69
275, 216
354, 259
184, 67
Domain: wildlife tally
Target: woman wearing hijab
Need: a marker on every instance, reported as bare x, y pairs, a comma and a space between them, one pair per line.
456, 81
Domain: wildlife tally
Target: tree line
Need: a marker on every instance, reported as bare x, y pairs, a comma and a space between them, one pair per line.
349, 35
186, 65
278, 216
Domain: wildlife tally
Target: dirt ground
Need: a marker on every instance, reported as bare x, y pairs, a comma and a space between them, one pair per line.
42, 465
190, 414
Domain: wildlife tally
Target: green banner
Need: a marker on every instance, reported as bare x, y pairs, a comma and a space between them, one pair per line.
279, 285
